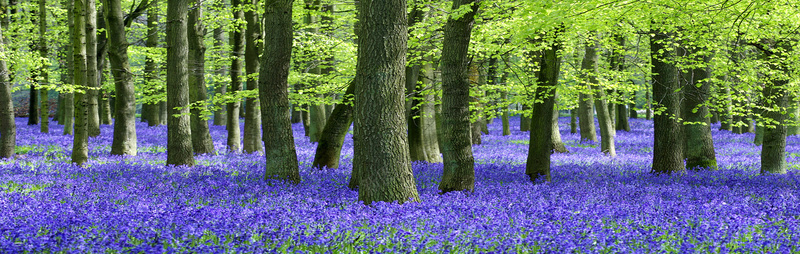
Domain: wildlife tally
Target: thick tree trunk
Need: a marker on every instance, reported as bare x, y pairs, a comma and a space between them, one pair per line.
585, 105
8, 128
697, 132
540, 145
237, 41
80, 142
151, 109
524, 120
573, 121
279, 149
329, 147
252, 117
668, 139
381, 141
124, 142
455, 140
607, 132
44, 108
776, 96
179, 135
201, 138
93, 116
622, 118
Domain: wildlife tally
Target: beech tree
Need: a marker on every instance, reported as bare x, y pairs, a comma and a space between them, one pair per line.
124, 142
8, 127
179, 136
201, 138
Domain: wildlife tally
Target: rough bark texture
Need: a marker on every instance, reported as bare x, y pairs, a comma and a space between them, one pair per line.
279, 147
151, 109
220, 88
201, 138
252, 115
540, 145
237, 41
179, 135
44, 112
455, 140
124, 142
329, 147
380, 141
668, 139
699, 151
80, 142
92, 77
8, 128
607, 132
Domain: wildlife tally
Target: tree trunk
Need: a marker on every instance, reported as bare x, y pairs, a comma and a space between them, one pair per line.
59, 116
237, 41
93, 114
381, 141
793, 125
8, 128
430, 142
316, 112
558, 144
585, 104
414, 88
455, 140
124, 142
727, 108
201, 138
179, 135
573, 121
252, 117
668, 139
540, 145
607, 132
329, 147
632, 106
80, 141
69, 106
220, 88
618, 65
648, 114
697, 132
44, 108
151, 109
776, 96
758, 140
524, 120
622, 118
504, 117
279, 149
33, 105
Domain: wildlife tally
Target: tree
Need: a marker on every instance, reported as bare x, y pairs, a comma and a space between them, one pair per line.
237, 41
8, 128
381, 142
281, 157
696, 91
44, 113
93, 115
201, 138
80, 142
152, 112
179, 136
607, 132
455, 140
668, 139
69, 96
124, 142
618, 65
252, 114
586, 110
329, 147
540, 145
773, 151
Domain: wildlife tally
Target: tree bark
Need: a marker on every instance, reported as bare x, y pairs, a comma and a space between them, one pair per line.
380, 141
329, 147
776, 97
8, 127
540, 145
697, 132
44, 108
237, 41
179, 135
618, 65
573, 121
607, 132
430, 142
252, 117
69, 106
455, 140
151, 109
632, 106
558, 144
525, 121
80, 141
585, 104
668, 139
201, 138
279, 149
414, 88
124, 142
316, 112
93, 114
220, 88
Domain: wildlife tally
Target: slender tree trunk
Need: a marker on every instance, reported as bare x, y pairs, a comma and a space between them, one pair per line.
93, 115
540, 145
573, 121
697, 133
504, 117
524, 120
69, 106
124, 142
316, 112
414, 88
220, 88
151, 109
585, 106
179, 135
8, 127
102, 95
329, 147
80, 143
455, 140
668, 139
59, 116
201, 138
558, 144
252, 118
648, 114
618, 64
381, 143
33, 105
430, 142
758, 140
607, 132
281, 156
237, 42
44, 107
632, 107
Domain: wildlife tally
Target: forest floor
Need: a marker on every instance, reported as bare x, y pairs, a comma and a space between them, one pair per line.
593, 204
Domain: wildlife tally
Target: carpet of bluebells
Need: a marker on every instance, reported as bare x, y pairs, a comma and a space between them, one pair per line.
595, 204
